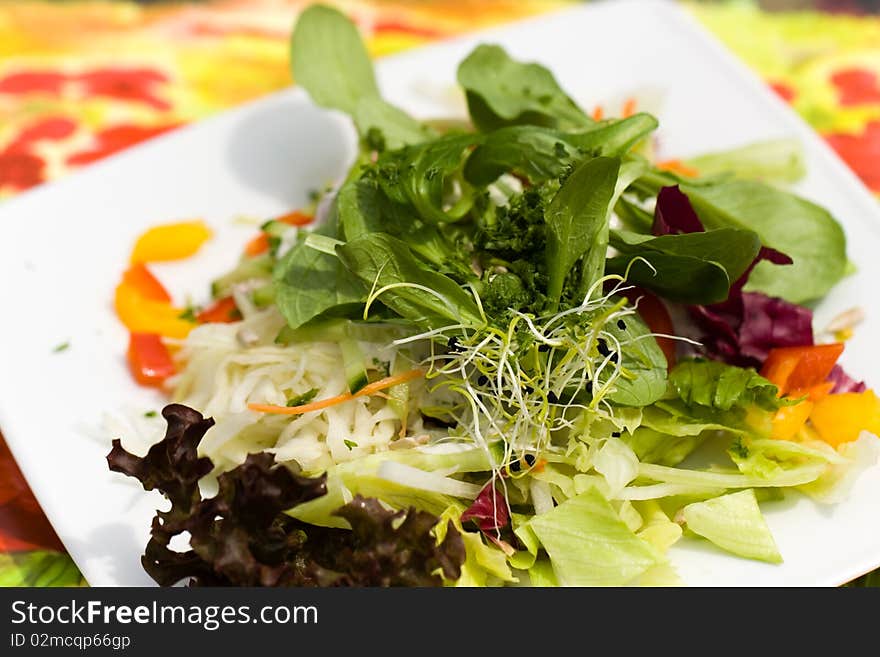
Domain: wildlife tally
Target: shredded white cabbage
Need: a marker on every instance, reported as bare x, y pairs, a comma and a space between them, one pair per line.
222, 373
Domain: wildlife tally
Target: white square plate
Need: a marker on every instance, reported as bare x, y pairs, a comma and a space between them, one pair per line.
63, 248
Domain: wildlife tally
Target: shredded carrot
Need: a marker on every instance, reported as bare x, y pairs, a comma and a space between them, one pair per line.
629, 107
258, 245
370, 389
598, 113
304, 408
679, 167
389, 382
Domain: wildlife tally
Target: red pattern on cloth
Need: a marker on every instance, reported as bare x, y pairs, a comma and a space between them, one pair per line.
861, 152
24, 526
117, 138
856, 86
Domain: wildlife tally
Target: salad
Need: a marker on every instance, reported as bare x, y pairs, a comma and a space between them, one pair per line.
508, 350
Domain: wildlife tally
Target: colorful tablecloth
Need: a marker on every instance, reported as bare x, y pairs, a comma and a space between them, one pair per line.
81, 80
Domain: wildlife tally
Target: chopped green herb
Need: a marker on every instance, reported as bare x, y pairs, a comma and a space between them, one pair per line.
151, 414
304, 398
61, 347
350, 443
189, 314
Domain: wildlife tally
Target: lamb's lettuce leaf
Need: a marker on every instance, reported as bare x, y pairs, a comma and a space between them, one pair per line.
502, 91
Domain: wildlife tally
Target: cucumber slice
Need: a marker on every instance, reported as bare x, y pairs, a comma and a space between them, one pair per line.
355, 364
248, 269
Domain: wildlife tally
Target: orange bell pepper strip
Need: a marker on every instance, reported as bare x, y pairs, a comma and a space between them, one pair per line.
170, 242
144, 315
679, 167
221, 311
792, 368
789, 420
149, 359
295, 218
629, 108
142, 279
813, 393
257, 246
842, 417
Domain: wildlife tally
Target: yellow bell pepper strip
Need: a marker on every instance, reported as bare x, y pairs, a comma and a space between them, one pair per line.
842, 417
789, 420
140, 314
170, 242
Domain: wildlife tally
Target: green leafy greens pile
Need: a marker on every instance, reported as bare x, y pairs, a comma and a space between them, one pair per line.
509, 255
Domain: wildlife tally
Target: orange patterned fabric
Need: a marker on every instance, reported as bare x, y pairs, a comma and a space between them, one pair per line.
81, 81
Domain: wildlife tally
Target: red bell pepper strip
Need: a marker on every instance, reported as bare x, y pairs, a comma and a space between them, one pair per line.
222, 311
656, 316
149, 359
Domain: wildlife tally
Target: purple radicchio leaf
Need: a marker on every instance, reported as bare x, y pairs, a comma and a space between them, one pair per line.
674, 213
489, 510
742, 329
843, 382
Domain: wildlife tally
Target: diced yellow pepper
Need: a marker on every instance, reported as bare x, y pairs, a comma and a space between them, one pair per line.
842, 417
170, 242
143, 315
789, 420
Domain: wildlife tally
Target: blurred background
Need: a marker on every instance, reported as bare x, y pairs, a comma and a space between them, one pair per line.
83, 79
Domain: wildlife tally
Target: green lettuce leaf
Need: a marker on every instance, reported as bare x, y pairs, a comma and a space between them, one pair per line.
541, 574
774, 160
837, 481
714, 384
802, 230
768, 458
590, 545
734, 523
